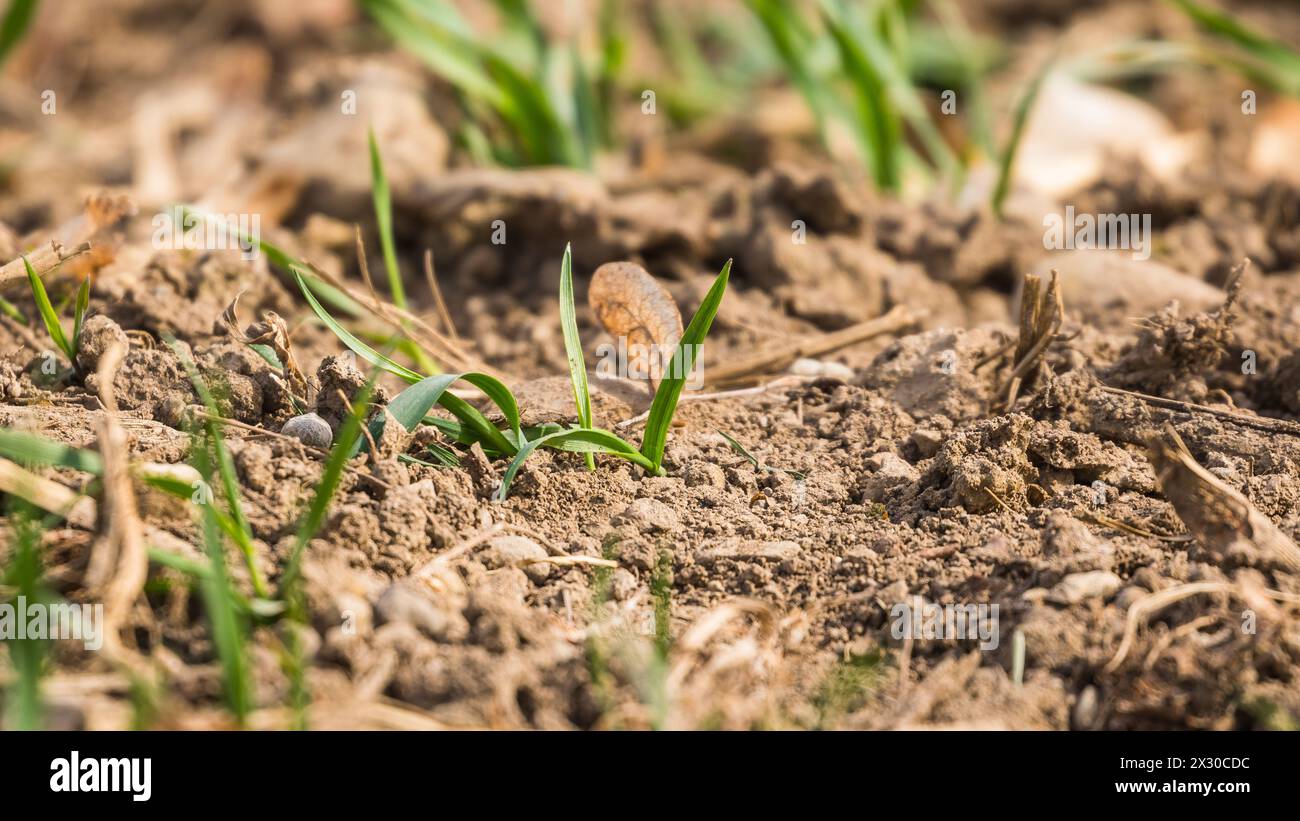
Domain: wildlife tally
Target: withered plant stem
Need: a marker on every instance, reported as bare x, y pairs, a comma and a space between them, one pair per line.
779, 357
44, 259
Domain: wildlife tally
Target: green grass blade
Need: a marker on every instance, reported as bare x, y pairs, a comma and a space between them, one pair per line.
573, 347
328, 485
879, 129
79, 312
219, 602
444, 457
25, 575
17, 19
885, 52
1264, 48
587, 440
1018, 123
12, 311
177, 562
791, 39
29, 449
281, 259
445, 46
665, 400
48, 315
588, 117
480, 72
383, 199
613, 54
384, 219
462, 410
242, 532
973, 59
345, 336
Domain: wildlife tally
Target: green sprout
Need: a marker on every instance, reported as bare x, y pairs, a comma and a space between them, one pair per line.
53, 325
517, 109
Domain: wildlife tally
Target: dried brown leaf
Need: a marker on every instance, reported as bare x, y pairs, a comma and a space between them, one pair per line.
273, 332
632, 305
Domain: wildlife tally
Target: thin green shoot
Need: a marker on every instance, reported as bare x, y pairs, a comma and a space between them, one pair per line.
13, 28
664, 405
462, 410
219, 600
741, 450
1277, 55
13, 311
383, 199
384, 219
661, 590
505, 81
241, 533
583, 440
27, 656
30, 449
290, 589
1018, 124
79, 312
972, 63
573, 348
602, 584
792, 40
331, 477
48, 315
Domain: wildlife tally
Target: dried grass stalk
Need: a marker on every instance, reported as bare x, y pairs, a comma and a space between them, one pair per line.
1220, 518
1041, 315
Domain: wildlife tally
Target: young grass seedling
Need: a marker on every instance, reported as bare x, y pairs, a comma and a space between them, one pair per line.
27, 656
740, 450
573, 348
507, 81
219, 601
12, 311
434, 387
241, 532
383, 198
1018, 124
664, 405
384, 219
873, 62
17, 19
291, 592
50, 317
1274, 60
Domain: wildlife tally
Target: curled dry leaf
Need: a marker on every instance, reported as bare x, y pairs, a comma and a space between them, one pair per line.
1220, 518
273, 332
632, 305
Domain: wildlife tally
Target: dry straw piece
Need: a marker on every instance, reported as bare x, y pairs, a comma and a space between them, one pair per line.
1041, 315
1220, 518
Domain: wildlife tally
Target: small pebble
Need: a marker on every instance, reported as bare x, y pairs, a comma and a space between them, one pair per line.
823, 369
517, 551
400, 603
1078, 587
309, 429
650, 515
